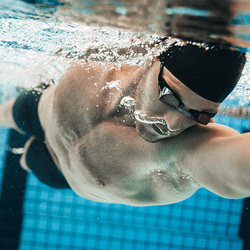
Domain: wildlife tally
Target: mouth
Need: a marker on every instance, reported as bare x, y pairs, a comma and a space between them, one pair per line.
153, 127
144, 118
159, 131
151, 133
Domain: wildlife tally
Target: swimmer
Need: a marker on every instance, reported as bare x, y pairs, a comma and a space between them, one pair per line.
138, 135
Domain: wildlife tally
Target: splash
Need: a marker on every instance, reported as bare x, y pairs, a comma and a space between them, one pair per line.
144, 118
113, 84
35, 51
38, 43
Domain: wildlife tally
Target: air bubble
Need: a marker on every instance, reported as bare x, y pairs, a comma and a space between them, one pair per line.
128, 101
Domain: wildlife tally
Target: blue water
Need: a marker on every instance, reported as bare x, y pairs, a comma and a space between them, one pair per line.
37, 43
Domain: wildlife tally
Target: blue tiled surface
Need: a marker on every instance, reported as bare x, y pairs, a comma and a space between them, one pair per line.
62, 220
3, 139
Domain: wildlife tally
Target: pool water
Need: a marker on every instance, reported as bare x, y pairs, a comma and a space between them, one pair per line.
38, 40
213, 21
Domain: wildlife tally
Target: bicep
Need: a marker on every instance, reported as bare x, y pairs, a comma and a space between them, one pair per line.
225, 166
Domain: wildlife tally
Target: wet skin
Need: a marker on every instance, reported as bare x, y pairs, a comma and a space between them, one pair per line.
106, 155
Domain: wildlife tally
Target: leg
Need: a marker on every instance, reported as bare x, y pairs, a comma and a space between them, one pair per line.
6, 115
37, 160
25, 112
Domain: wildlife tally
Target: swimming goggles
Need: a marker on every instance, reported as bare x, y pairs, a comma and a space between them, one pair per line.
169, 97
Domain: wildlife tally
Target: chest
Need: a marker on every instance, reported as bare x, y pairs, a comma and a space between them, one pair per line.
122, 169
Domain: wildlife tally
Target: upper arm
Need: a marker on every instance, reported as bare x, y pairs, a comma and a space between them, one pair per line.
225, 166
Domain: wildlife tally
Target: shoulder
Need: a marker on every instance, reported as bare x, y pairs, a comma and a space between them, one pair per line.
82, 82
45, 106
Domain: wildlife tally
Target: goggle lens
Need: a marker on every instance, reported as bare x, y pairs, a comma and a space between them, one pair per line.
169, 99
167, 96
202, 118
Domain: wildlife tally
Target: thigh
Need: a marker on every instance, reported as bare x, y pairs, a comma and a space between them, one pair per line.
25, 112
41, 164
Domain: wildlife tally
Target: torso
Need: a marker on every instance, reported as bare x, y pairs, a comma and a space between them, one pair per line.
100, 153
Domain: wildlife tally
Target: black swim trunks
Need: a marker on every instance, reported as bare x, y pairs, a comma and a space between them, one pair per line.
25, 112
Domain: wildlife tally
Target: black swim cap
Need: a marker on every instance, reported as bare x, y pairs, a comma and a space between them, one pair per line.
210, 71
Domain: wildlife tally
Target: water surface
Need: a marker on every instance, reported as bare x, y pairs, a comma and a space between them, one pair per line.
38, 39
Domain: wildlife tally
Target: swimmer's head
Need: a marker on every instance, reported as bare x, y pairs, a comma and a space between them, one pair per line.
210, 71
185, 88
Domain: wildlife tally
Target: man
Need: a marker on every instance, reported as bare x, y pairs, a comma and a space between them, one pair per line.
137, 135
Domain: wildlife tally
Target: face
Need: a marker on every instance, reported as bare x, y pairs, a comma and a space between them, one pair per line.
156, 120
